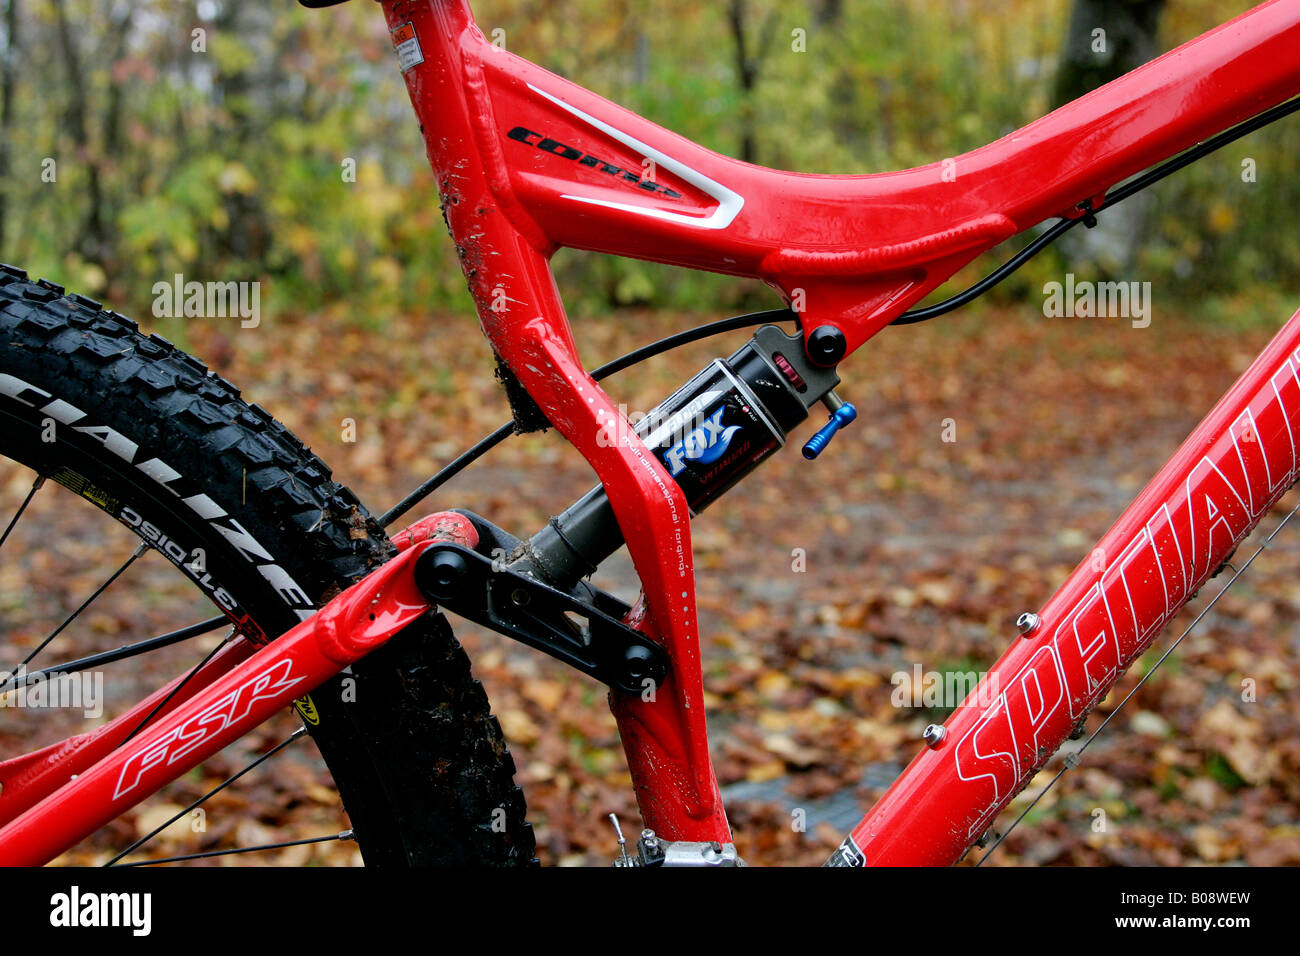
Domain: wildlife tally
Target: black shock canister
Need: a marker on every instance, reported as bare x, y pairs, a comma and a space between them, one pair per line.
708, 435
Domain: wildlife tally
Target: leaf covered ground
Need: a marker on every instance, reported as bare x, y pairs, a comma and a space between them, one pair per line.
818, 582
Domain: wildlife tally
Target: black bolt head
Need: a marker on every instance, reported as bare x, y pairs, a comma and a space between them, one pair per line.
826, 345
638, 663
439, 574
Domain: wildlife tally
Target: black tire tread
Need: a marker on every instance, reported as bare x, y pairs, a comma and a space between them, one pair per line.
418, 758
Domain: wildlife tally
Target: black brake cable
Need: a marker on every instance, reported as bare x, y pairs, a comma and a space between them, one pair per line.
1050, 235
1062, 226
486, 444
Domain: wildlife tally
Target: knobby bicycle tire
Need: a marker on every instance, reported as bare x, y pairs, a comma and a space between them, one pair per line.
418, 759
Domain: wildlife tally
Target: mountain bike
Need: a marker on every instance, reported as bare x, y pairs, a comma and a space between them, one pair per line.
314, 598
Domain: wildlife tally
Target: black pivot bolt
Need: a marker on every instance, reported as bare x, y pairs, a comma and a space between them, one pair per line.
826, 345
439, 574
638, 664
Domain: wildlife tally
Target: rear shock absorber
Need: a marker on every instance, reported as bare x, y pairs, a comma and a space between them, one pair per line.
709, 434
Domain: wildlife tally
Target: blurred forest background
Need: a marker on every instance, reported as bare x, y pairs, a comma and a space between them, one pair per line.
227, 163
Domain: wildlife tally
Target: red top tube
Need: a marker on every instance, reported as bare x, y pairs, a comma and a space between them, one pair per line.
862, 248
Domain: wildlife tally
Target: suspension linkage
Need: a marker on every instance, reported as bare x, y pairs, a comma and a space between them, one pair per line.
585, 634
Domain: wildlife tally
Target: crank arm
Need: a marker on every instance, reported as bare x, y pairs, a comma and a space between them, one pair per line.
522, 608
345, 630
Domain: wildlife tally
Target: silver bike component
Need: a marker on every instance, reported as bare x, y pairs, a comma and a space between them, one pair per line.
682, 853
623, 859
1027, 623
652, 851
933, 734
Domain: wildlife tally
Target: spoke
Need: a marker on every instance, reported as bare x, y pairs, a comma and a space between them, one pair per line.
36, 486
345, 835
141, 549
184, 680
118, 653
215, 790
1072, 760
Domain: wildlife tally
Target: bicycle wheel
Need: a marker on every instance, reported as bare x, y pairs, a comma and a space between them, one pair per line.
248, 520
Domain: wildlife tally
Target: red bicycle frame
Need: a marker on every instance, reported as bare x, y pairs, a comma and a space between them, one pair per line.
527, 163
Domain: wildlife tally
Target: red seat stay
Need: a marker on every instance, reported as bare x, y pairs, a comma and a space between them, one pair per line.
528, 162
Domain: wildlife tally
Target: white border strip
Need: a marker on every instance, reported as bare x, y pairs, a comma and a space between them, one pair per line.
729, 203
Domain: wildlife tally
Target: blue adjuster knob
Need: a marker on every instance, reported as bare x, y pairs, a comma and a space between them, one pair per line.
841, 414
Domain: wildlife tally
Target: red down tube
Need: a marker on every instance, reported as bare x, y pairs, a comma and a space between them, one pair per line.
352, 625
1178, 532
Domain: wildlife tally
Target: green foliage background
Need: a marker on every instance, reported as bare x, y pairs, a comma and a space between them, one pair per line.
226, 164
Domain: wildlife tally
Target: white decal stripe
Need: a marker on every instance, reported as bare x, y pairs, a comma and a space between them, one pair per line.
729, 203
160, 471
680, 417
205, 507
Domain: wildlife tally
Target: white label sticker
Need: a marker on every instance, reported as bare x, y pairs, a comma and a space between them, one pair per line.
407, 44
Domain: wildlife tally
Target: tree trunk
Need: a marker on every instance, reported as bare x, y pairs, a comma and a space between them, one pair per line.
8, 79
748, 59
746, 77
1105, 40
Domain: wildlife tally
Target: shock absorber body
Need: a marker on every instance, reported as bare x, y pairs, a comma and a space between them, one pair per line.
709, 434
